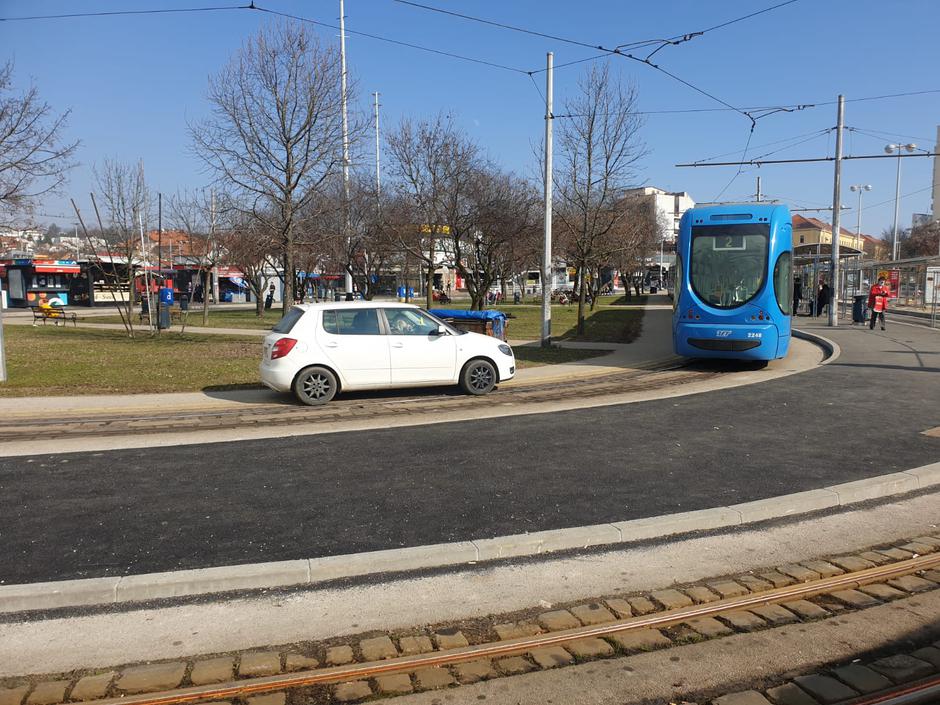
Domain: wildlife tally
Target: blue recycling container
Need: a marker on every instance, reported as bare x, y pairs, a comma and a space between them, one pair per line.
166, 296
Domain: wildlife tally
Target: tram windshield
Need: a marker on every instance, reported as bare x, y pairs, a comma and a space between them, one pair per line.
728, 263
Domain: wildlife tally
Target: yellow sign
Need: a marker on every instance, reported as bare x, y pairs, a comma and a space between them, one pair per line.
438, 229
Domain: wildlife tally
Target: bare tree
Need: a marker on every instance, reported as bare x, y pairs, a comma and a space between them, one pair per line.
275, 136
435, 167
633, 240
34, 156
195, 213
597, 152
250, 248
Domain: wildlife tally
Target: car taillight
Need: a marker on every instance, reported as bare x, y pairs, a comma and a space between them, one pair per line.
282, 347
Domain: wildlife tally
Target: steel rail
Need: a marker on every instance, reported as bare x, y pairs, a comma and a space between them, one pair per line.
919, 692
339, 674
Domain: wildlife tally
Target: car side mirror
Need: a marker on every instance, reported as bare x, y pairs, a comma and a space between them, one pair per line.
441, 330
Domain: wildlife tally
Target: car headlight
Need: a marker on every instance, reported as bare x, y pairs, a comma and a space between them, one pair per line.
505, 349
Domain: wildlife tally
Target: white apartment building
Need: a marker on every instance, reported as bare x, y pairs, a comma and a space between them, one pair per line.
670, 205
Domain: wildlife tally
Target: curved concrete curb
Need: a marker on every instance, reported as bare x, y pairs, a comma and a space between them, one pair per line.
830, 347
154, 586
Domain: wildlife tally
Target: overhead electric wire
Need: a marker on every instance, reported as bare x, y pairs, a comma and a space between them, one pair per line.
814, 133
890, 135
112, 13
740, 166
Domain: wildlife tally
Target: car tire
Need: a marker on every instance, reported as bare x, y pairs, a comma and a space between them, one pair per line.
315, 385
478, 377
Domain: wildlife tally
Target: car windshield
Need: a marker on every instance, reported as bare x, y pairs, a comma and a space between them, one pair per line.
286, 323
409, 321
728, 262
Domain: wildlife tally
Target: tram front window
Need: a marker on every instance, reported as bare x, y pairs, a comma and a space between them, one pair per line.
728, 262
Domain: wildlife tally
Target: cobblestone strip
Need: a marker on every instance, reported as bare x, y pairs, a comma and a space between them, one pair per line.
818, 688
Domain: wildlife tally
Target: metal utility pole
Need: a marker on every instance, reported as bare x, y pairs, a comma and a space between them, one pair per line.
378, 168
342, 58
159, 253
3, 358
547, 252
836, 217
758, 190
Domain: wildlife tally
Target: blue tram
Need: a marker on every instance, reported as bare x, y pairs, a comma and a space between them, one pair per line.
734, 282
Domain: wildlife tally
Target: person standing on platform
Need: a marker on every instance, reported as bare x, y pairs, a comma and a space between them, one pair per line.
878, 302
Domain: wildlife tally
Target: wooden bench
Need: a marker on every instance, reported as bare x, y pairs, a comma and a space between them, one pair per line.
55, 314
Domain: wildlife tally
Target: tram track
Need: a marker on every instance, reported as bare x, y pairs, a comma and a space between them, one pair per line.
820, 598
73, 425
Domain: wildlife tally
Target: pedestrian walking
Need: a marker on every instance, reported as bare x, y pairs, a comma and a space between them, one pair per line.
269, 299
797, 294
878, 302
822, 297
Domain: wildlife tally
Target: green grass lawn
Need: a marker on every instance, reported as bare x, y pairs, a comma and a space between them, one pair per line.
218, 318
53, 361
57, 361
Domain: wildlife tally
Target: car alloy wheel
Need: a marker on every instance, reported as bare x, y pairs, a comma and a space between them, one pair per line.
479, 377
316, 385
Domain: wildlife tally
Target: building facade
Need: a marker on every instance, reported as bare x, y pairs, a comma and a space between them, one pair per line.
670, 205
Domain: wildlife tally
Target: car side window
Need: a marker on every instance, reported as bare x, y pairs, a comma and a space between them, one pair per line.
407, 321
363, 321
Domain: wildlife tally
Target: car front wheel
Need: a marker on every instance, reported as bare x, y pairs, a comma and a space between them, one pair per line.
478, 377
315, 385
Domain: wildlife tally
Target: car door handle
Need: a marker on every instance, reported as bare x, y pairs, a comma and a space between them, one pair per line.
398, 345
331, 345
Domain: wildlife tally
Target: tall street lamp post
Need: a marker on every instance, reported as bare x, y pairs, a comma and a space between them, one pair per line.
860, 188
891, 149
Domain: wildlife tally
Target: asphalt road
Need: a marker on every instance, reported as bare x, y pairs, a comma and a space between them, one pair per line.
136, 511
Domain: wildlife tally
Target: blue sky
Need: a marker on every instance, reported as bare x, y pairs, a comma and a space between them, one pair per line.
133, 82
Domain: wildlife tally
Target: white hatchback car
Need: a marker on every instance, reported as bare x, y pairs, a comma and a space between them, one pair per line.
317, 350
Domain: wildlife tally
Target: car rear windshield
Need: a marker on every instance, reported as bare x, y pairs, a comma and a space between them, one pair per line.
286, 323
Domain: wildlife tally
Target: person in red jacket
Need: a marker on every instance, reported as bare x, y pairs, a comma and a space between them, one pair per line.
878, 302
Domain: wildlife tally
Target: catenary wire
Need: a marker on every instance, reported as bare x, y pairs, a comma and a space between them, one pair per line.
113, 13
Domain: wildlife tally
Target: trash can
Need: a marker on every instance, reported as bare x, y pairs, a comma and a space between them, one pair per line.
859, 308
184, 302
163, 307
349, 296
337, 296
401, 294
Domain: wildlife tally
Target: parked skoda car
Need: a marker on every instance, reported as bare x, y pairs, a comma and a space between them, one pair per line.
319, 350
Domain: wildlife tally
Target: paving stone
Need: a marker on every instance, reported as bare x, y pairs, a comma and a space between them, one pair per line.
590, 648
450, 639
824, 568
745, 697
743, 620
798, 572
259, 663
377, 649
551, 657
902, 668
929, 540
777, 579
930, 654
709, 627
433, 678
620, 607
701, 594
13, 696
411, 645
874, 557
269, 699
352, 691
861, 678
911, 583
851, 563
641, 640
214, 670
753, 583
806, 609
790, 694
147, 679
882, 591
932, 575
921, 549
671, 599
593, 613
641, 605
473, 671
558, 620
775, 614
394, 684
339, 655
728, 588
299, 662
825, 689
514, 665
48, 693
855, 598
92, 687
896, 553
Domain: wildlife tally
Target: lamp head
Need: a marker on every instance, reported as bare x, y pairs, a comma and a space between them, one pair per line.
910, 147
889, 148
868, 187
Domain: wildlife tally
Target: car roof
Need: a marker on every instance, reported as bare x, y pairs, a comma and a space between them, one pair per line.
354, 305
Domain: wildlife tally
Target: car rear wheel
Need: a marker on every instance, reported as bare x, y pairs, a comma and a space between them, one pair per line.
478, 377
315, 385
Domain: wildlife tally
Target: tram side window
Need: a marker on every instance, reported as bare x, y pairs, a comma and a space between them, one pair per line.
677, 286
783, 283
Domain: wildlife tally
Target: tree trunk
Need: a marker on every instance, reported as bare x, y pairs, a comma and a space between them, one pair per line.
259, 296
581, 297
288, 294
206, 292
